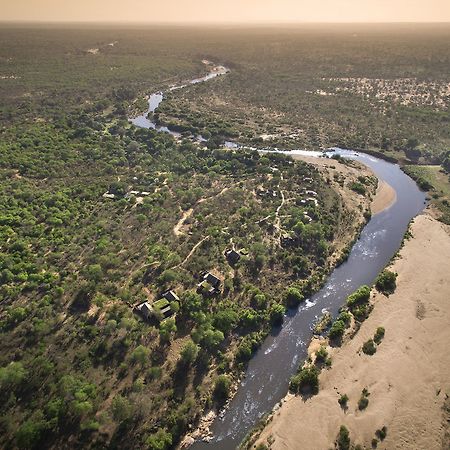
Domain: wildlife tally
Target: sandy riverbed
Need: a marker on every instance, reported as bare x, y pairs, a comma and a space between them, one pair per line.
408, 377
384, 198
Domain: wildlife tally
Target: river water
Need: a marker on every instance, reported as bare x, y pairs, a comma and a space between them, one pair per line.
267, 377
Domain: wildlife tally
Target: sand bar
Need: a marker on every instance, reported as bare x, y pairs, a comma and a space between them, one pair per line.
384, 198
408, 377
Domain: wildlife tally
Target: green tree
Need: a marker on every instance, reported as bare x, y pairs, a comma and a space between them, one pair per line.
276, 314
386, 282
361, 295
337, 330
222, 387
161, 440
189, 353
305, 381
292, 297
343, 400
369, 347
167, 329
225, 320
12, 375
140, 355
30, 432
121, 408
94, 272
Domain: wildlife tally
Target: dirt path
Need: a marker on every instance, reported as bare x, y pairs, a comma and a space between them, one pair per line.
277, 212
408, 377
195, 247
186, 214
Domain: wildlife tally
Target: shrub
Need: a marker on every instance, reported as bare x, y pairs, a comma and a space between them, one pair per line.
276, 314
161, 440
381, 434
121, 408
343, 399
321, 354
337, 330
292, 297
343, 439
140, 355
189, 353
379, 335
222, 387
361, 295
363, 402
369, 347
357, 187
305, 381
386, 282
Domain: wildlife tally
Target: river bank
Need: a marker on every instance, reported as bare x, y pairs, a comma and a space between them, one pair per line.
385, 197
407, 377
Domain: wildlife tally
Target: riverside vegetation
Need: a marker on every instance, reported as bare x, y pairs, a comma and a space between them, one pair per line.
78, 364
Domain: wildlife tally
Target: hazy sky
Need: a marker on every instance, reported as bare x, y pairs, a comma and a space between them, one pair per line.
227, 10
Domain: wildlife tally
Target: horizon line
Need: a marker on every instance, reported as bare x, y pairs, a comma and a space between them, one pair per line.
215, 23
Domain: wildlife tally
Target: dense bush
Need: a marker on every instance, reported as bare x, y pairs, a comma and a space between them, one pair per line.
305, 381
386, 282
222, 387
292, 297
361, 295
357, 187
337, 330
161, 440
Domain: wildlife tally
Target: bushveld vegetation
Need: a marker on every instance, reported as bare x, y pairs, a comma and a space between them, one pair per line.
378, 88
77, 362
436, 181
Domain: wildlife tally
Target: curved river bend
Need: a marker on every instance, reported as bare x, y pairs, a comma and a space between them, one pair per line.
267, 377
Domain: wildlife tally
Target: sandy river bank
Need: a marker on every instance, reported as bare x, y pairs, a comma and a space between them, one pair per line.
384, 198
408, 377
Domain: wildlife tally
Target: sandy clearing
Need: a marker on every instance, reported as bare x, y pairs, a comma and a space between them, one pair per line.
384, 198
180, 223
408, 377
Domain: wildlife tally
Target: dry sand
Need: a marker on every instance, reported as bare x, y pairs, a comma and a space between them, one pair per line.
408, 377
384, 198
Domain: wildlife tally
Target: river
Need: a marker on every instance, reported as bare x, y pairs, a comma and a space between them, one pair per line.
267, 377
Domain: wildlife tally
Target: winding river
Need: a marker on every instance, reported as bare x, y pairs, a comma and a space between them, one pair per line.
267, 377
